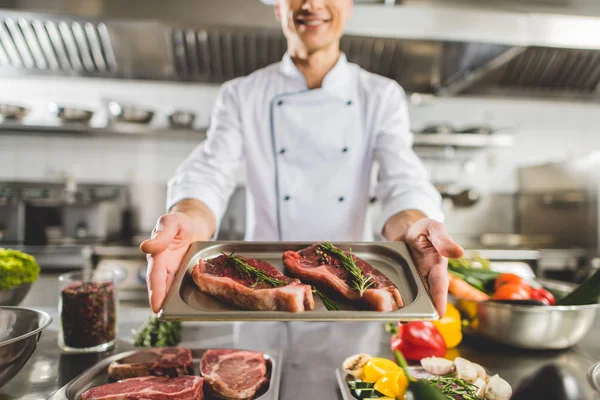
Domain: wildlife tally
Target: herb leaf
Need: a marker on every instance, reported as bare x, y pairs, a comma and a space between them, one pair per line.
155, 333
359, 281
328, 304
250, 271
452, 387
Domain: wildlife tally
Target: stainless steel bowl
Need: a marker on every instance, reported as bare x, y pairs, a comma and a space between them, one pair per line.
530, 327
13, 112
70, 115
14, 296
128, 113
182, 119
594, 377
20, 330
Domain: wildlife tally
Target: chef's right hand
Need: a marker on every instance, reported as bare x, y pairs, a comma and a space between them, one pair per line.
171, 238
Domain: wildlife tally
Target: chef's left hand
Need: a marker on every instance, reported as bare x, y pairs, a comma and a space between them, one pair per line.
431, 246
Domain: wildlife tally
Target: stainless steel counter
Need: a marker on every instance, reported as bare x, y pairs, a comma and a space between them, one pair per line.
312, 351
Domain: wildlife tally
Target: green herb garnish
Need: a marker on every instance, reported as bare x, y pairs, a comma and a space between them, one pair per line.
250, 271
328, 304
155, 333
452, 387
360, 282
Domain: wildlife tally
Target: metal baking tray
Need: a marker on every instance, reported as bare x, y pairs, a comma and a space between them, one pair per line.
186, 302
98, 375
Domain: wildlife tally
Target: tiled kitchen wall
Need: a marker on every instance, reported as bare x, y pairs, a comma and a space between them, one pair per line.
544, 131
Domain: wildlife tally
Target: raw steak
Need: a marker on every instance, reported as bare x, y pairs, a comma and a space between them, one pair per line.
326, 272
149, 388
233, 374
219, 277
170, 361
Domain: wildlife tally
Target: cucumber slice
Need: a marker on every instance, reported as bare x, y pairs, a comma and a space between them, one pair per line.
361, 385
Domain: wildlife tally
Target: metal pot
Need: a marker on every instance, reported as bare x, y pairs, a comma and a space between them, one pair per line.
70, 115
127, 113
14, 296
20, 330
530, 327
13, 112
594, 377
182, 119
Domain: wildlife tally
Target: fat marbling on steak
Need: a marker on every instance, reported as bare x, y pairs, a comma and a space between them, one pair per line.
221, 278
318, 267
149, 388
233, 374
169, 361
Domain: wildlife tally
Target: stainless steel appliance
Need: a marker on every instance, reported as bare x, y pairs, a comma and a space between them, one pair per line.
39, 214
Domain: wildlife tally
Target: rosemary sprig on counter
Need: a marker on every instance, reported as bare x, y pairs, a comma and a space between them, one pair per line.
328, 304
452, 387
249, 270
155, 333
359, 281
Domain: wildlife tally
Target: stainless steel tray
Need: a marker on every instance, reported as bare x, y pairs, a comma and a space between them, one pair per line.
98, 375
342, 381
186, 302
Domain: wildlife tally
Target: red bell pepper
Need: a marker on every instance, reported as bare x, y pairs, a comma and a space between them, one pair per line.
542, 295
418, 340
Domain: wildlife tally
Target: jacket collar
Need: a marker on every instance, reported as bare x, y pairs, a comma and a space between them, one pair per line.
335, 82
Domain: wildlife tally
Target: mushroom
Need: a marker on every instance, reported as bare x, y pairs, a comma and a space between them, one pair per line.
437, 365
480, 371
497, 389
354, 365
465, 370
481, 385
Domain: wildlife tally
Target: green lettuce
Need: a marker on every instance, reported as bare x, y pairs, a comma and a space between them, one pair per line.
17, 268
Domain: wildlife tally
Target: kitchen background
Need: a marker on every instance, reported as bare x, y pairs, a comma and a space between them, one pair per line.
540, 100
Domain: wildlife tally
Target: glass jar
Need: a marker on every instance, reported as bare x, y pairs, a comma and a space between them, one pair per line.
87, 307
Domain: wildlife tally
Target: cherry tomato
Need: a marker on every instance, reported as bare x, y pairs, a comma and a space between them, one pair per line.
512, 291
542, 295
503, 279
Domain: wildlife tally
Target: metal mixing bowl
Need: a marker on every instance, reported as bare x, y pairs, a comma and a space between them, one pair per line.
20, 330
530, 327
594, 377
14, 296
128, 113
70, 114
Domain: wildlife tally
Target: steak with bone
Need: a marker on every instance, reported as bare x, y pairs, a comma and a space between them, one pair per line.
319, 267
169, 361
233, 374
251, 284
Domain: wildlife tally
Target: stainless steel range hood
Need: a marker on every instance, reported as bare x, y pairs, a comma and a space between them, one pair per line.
426, 47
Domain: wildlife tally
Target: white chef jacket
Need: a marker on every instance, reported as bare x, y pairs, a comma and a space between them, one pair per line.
308, 154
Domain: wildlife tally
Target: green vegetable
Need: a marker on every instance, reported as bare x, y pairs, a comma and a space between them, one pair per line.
452, 388
249, 270
361, 385
328, 304
155, 333
586, 293
420, 390
483, 275
475, 262
17, 268
360, 282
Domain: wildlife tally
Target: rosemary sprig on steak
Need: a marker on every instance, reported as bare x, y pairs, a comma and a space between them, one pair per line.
359, 282
248, 270
328, 304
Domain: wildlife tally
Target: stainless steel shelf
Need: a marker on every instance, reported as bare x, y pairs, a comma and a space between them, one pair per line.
120, 130
463, 140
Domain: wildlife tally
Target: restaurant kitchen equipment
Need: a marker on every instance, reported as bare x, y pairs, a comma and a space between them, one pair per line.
499, 49
38, 214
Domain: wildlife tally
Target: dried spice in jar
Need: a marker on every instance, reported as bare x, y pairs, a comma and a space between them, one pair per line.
88, 314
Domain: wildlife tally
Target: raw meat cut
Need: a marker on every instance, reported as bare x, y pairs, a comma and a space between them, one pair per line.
221, 278
149, 388
233, 374
311, 265
170, 361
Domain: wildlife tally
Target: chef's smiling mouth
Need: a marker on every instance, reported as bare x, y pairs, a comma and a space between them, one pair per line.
311, 21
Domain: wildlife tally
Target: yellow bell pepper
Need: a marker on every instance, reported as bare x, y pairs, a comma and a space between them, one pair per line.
378, 367
450, 326
392, 384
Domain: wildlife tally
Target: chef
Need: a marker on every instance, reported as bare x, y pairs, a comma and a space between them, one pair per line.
308, 131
